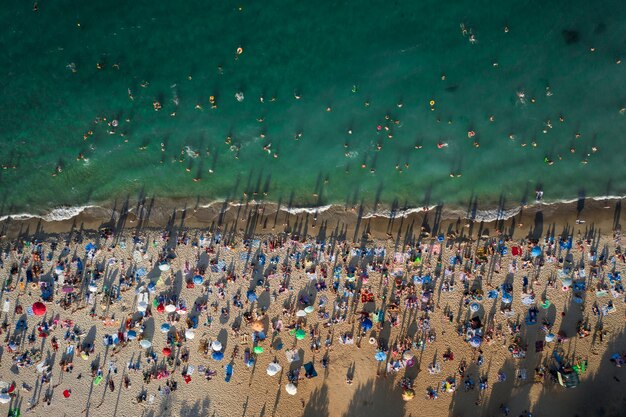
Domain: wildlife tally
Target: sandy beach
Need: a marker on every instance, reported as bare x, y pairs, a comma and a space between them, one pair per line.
390, 301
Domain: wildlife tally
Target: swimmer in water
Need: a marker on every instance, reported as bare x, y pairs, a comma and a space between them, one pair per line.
441, 145
296, 95
130, 94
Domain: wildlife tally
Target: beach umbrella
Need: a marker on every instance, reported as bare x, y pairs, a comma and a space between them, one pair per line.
292, 355
170, 308
252, 297
5, 398
216, 346
167, 351
39, 308
549, 337
507, 298
300, 334
131, 335
475, 341
58, 270
90, 246
273, 368
160, 308
67, 393
258, 350
190, 334
146, 344
164, 267
536, 251
407, 355
567, 282
291, 389
93, 287
165, 327
380, 356
198, 279
474, 307
366, 324
257, 326
142, 306
309, 309
408, 394
300, 313
218, 356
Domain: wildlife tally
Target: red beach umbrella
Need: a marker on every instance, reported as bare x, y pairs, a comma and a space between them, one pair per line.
39, 308
167, 351
161, 308
67, 393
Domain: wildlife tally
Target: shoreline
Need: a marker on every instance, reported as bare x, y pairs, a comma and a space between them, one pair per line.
270, 217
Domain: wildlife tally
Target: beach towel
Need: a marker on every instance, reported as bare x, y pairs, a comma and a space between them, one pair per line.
516, 251
310, 370
228, 372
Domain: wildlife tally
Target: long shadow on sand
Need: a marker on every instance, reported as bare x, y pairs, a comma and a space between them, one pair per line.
371, 399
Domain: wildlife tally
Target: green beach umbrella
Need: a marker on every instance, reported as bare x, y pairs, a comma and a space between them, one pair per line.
258, 349
300, 334
96, 380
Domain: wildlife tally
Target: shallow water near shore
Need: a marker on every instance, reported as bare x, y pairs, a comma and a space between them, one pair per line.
337, 56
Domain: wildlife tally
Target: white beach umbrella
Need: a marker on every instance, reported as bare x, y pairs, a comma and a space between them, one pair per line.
5, 398
170, 308
291, 389
190, 334
216, 346
142, 306
164, 267
301, 313
146, 344
273, 368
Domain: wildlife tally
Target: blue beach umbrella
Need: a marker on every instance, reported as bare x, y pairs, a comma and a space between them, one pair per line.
198, 279
132, 335
165, 327
380, 356
475, 341
366, 324
218, 356
252, 297
507, 298
536, 251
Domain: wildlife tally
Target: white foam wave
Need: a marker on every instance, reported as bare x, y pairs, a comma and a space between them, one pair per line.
310, 210
56, 215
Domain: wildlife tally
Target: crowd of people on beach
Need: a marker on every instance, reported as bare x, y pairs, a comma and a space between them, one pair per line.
276, 293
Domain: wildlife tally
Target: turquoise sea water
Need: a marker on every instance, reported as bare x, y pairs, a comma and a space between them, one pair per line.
337, 54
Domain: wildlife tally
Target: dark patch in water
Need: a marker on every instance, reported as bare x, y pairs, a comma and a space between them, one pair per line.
600, 28
571, 36
452, 88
